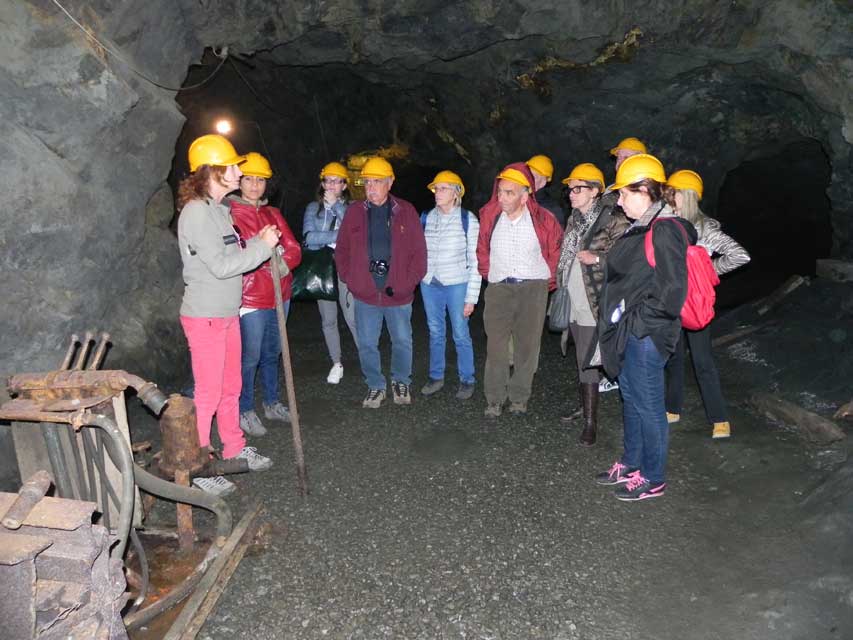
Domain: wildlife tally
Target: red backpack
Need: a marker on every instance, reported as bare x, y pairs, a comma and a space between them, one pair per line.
698, 309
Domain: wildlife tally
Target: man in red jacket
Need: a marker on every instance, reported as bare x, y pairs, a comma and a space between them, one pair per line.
517, 253
381, 256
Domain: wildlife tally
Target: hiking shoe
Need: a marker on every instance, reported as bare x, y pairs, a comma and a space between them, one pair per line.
607, 385
638, 488
518, 408
256, 461
721, 430
251, 424
466, 390
217, 485
401, 393
493, 410
431, 387
672, 418
335, 373
373, 399
276, 411
617, 474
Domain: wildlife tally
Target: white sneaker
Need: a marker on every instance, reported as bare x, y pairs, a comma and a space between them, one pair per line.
277, 411
251, 424
217, 485
607, 385
336, 373
256, 461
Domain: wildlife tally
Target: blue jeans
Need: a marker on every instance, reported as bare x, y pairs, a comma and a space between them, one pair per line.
261, 350
439, 300
368, 326
646, 432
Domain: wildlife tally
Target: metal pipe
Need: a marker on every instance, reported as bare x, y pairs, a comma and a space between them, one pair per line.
29, 495
56, 455
89, 451
76, 465
134, 538
104, 481
84, 351
99, 353
120, 453
66, 361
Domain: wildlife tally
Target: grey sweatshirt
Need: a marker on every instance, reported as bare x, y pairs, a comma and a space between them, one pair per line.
214, 261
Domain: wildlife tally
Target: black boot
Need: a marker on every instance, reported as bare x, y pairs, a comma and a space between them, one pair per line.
577, 412
589, 396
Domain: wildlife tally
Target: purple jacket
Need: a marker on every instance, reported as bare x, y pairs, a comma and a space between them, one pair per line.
408, 254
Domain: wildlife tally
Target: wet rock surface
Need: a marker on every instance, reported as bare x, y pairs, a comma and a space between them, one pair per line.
431, 521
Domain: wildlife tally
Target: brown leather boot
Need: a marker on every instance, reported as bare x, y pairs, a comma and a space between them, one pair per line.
589, 396
575, 413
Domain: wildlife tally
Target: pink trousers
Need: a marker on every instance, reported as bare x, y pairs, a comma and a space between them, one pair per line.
215, 354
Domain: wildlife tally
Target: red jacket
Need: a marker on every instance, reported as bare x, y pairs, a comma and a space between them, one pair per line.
548, 230
258, 290
408, 254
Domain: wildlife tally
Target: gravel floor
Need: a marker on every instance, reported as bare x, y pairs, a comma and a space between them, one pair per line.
432, 521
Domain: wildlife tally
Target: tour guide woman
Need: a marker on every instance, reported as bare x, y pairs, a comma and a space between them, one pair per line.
215, 257
639, 323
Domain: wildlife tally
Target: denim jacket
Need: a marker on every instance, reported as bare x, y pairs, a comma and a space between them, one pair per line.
315, 228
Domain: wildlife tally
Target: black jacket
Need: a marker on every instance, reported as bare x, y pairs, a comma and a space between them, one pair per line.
544, 199
642, 300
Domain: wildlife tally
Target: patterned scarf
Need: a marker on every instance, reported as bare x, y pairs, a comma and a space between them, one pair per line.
575, 233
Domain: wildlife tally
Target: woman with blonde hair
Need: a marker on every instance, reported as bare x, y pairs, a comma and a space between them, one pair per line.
215, 255
684, 191
451, 285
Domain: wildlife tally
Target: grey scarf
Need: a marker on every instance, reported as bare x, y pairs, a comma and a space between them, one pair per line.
575, 233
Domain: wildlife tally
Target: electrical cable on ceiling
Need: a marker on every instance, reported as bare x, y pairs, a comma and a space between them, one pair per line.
222, 54
252, 89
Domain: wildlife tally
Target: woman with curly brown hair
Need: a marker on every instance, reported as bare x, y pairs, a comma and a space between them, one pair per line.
215, 256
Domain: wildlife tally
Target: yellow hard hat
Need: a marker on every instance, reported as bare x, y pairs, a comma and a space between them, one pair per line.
214, 150
542, 165
631, 144
377, 168
256, 165
334, 169
450, 178
686, 179
514, 175
636, 168
587, 172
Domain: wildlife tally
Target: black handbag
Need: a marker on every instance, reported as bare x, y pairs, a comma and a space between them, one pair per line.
558, 315
316, 277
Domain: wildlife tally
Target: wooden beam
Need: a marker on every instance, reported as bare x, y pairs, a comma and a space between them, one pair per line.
212, 585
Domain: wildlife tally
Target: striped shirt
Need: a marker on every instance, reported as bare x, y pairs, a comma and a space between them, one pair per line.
515, 251
447, 247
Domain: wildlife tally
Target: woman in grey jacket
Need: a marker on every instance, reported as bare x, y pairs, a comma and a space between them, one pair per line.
323, 218
215, 256
684, 191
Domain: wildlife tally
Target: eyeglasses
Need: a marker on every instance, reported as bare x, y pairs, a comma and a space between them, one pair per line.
577, 189
333, 181
444, 188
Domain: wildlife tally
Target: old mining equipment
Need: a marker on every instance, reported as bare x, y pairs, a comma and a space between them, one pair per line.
62, 557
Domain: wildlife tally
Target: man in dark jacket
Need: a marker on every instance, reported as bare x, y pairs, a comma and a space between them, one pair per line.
517, 252
542, 170
381, 256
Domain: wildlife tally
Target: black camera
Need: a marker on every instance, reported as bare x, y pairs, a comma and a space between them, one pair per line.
379, 267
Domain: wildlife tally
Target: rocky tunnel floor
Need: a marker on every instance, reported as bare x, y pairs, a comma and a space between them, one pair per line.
431, 521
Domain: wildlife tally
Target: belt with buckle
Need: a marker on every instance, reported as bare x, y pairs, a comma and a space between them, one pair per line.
513, 280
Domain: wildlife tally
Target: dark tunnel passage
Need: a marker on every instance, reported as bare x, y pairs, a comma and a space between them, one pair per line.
776, 206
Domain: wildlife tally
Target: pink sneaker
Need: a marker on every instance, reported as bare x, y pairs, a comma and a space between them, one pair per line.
617, 474
638, 488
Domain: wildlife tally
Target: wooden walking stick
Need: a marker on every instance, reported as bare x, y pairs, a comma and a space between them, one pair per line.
301, 474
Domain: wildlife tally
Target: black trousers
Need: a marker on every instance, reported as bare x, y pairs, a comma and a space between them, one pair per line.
706, 376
